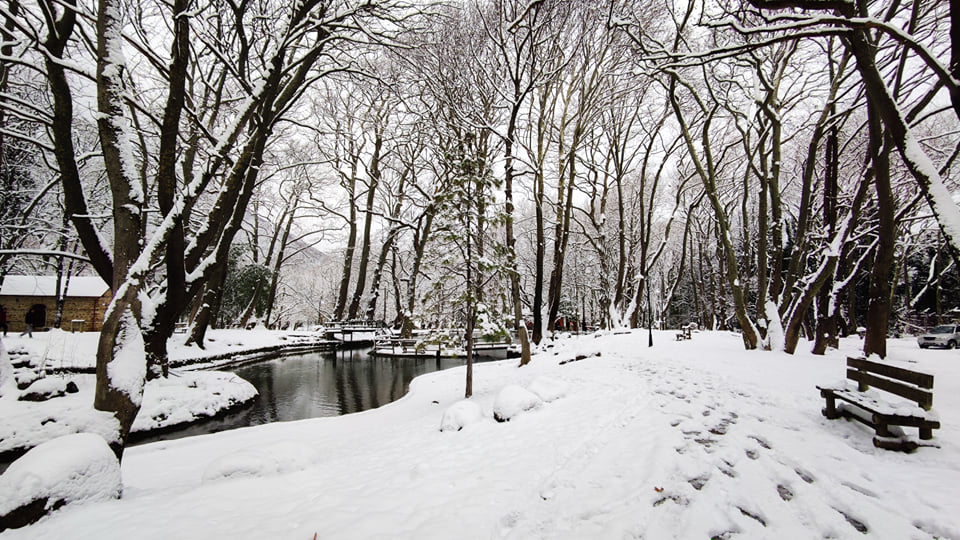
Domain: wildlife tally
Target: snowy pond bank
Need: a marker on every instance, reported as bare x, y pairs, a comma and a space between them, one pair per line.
689, 439
314, 385
53, 361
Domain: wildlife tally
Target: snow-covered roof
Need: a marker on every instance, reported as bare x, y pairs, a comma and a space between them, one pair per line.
78, 286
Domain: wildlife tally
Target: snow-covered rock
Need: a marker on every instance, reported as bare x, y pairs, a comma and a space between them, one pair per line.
66, 470
185, 397
513, 400
277, 458
26, 377
549, 389
460, 415
48, 388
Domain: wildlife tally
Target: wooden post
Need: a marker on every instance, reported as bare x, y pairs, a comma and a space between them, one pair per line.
830, 411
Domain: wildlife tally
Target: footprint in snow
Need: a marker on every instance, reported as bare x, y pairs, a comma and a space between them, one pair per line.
854, 522
804, 475
698, 482
761, 441
721, 428
752, 515
675, 498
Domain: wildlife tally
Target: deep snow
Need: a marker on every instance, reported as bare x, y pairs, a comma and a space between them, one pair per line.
70, 469
688, 439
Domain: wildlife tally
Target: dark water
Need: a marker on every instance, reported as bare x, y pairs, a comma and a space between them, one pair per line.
315, 385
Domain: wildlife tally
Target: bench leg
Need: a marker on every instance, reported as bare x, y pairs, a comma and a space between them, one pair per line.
882, 428
830, 411
926, 433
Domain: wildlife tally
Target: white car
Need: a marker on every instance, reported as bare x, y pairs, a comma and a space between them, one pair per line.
945, 335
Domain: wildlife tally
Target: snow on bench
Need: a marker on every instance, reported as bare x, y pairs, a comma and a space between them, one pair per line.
869, 403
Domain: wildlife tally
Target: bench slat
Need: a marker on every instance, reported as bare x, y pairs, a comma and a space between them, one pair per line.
884, 416
879, 407
921, 397
923, 380
912, 421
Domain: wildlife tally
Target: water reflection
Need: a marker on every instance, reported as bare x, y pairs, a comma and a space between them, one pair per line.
314, 385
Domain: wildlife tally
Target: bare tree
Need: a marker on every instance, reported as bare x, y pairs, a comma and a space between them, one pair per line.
156, 265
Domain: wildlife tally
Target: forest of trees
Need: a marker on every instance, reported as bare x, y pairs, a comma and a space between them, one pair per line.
783, 168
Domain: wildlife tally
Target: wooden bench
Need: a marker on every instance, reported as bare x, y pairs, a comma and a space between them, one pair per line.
873, 409
684, 333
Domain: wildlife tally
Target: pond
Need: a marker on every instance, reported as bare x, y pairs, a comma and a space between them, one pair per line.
315, 385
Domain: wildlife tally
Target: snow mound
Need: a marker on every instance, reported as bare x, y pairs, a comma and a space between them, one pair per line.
460, 415
8, 384
277, 458
70, 469
549, 389
188, 396
513, 400
48, 388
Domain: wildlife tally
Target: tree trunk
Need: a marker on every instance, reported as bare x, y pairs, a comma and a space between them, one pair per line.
209, 307
827, 327
344, 292
708, 176
420, 239
878, 311
539, 257
512, 267
387, 248
279, 259
367, 224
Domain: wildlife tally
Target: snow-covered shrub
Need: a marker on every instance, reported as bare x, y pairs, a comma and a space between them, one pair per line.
460, 415
277, 458
491, 326
70, 469
548, 389
513, 400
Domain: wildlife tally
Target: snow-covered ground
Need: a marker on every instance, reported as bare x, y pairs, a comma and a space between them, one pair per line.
689, 439
183, 398
56, 349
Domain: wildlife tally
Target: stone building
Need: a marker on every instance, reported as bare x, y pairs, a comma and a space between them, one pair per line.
85, 301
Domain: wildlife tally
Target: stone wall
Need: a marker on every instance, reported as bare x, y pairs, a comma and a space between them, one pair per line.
88, 310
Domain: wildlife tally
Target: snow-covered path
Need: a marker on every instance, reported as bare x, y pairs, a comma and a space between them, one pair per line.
693, 439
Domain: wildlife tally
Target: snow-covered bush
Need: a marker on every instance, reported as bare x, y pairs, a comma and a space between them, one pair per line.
548, 389
513, 400
71, 469
277, 458
460, 415
491, 326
